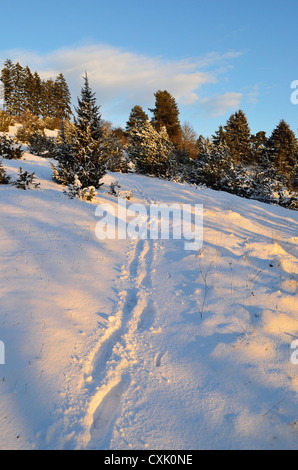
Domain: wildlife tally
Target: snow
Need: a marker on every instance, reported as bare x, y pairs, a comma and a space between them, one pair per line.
140, 344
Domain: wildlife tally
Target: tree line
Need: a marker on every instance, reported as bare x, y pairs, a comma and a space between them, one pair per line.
233, 159
25, 91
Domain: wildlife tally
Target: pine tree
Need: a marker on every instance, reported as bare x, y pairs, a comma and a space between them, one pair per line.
62, 98
259, 145
137, 119
47, 100
166, 113
219, 137
283, 149
7, 80
238, 138
28, 90
36, 95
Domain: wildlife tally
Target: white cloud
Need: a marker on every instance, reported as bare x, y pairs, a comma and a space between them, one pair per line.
219, 105
122, 79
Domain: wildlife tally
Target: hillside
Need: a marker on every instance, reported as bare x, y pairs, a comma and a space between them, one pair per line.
141, 344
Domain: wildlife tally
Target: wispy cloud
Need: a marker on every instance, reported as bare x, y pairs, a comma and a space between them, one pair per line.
219, 105
253, 94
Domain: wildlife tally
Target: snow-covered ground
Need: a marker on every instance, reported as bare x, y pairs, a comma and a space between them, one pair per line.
140, 344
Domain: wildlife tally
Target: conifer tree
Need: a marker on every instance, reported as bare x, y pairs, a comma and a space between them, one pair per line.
152, 152
166, 113
7, 80
283, 148
237, 138
4, 179
18, 104
259, 145
84, 160
137, 119
28, 90
61, 98
219, 137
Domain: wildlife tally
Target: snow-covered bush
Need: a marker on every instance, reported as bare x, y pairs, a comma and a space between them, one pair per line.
76, 190
25, 180
4, 179
41, 145
151, 152
9, 149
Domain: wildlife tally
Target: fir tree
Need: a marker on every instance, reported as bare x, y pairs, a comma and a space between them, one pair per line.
283, 148
219, 137
259, 145
62, 98
18, 103
166, 113
137, 119
6, 78
83, 160
237, 138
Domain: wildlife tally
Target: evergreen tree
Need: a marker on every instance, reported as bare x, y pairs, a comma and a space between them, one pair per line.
237, 138
83, 161
61, 98
9, 148
137, 119
7, 80
166, 113
4, 179
214, 166
47, 102
36, 95
259, 145
219, 137
18, 104
283, 148
28, 90
151, 152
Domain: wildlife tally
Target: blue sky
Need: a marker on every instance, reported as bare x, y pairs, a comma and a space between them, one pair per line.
215, 57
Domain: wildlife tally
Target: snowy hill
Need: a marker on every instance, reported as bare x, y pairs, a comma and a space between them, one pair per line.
141, 344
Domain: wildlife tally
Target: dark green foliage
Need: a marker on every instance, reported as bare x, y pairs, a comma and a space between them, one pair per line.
83, 159
9, 149
259, 145
214, 166
237, 137
166, 114
25, 91
137, 119
283, 148
41, 145
219, 137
